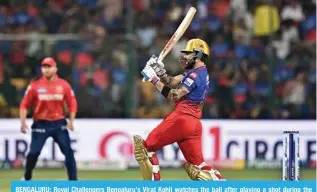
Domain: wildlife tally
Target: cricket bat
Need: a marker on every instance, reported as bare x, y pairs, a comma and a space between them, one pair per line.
178, 34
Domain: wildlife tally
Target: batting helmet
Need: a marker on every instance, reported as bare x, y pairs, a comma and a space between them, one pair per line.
196, 45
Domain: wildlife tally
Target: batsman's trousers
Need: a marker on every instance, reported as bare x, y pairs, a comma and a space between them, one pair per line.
184, 129
41, 131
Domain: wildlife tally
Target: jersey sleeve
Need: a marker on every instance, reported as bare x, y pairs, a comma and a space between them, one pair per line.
70, 99
191, 81
28, 98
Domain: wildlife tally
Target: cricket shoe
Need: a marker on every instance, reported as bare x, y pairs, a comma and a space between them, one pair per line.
215, 174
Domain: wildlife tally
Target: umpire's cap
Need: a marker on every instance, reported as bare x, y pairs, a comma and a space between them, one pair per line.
49, 61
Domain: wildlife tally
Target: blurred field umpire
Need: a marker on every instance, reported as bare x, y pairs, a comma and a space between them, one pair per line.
47, 95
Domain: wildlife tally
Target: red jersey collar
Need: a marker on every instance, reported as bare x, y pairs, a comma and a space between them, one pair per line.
54, 79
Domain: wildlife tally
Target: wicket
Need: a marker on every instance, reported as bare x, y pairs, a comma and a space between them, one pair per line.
291, 160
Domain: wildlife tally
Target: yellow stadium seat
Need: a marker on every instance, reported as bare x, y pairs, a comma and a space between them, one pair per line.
19, 83
14, 111
3, 101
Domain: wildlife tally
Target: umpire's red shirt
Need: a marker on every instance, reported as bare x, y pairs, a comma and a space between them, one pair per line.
48, 98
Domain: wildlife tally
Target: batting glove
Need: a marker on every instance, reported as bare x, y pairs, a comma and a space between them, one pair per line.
154, 60
150, 75
159, 70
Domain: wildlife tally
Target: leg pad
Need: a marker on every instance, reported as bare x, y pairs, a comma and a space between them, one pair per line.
202, 172
148, 162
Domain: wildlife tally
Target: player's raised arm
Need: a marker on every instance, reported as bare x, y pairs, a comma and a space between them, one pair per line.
172, 82
158, 67
177, 94
172, 94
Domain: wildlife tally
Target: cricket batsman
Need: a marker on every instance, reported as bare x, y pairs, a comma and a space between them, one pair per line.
188, 91
47, 95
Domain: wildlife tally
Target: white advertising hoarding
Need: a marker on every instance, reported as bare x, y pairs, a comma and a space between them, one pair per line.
111, 139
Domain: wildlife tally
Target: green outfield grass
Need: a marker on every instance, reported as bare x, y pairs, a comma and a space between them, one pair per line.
59, 174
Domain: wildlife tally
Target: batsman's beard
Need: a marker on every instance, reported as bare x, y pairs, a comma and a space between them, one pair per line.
184, 60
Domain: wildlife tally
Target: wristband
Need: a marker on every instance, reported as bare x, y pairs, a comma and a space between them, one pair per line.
165, 91
155, 80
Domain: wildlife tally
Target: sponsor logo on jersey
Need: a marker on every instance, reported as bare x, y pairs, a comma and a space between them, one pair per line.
51, 97
41, 90
188, 82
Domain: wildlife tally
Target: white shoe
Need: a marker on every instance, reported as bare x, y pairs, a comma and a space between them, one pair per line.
215, 175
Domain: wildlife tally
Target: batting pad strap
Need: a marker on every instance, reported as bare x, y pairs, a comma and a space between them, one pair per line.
202, 165
156, 168
165, 91
150, 154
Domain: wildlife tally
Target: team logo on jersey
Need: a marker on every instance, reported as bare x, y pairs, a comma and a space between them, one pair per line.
188, 82
41, 90
193, 75
51, 97
59, 89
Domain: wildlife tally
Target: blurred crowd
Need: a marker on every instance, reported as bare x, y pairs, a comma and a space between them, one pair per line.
262, 64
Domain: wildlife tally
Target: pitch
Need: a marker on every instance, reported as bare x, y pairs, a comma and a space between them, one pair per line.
59, 174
